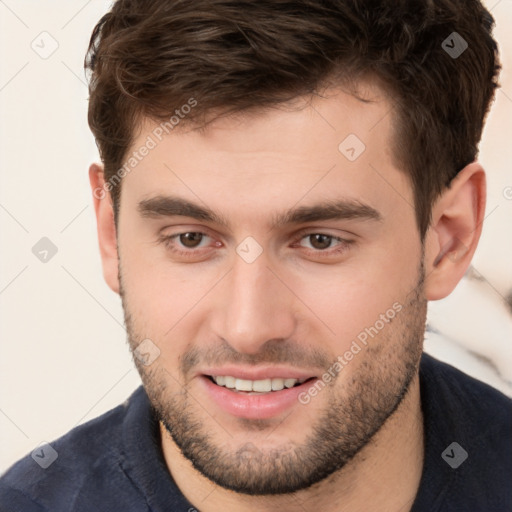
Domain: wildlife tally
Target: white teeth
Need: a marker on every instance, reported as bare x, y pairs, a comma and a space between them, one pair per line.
289, 383
263, 386
277, 384
243, 385
259, 386
229, 382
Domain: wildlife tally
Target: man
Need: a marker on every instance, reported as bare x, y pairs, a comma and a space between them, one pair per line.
284, 186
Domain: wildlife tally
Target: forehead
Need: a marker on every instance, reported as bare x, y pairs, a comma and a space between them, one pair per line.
322, 147
323, 117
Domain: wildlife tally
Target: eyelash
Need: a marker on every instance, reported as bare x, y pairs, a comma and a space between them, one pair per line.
343, 246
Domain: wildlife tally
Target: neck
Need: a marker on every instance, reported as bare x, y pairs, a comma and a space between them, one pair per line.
383, 476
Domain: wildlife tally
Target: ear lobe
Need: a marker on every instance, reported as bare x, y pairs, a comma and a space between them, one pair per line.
105, 226
454, 232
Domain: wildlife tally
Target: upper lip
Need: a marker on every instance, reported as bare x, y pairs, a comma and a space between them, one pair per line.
260, 373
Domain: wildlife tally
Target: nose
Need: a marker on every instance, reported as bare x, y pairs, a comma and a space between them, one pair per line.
253, 306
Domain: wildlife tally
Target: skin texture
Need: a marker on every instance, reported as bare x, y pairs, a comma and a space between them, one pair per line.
358, 443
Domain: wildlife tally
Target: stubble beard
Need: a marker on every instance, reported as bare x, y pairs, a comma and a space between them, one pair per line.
354, 414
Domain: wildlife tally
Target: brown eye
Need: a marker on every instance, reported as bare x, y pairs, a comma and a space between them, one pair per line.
191, 239
322, 245
319, 241
189, 245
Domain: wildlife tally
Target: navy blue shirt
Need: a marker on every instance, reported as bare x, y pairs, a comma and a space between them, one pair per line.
115, 463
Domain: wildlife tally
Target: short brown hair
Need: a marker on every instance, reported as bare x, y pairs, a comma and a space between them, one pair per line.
149, 57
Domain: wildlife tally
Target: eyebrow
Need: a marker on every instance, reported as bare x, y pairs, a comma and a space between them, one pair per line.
342, 209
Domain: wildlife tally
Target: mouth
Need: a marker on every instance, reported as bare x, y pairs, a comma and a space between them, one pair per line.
254, 399
256, 387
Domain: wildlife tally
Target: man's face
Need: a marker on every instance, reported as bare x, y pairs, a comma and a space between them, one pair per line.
268, 289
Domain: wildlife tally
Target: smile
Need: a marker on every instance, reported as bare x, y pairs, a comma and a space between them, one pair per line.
256, 386
253, 399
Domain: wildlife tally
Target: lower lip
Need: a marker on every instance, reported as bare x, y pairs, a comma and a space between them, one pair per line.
254, 407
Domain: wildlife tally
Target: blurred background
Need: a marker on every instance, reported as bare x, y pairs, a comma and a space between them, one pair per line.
63, 353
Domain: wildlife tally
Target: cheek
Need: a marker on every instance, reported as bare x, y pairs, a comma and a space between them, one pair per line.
352, 297
154, 283
156, 295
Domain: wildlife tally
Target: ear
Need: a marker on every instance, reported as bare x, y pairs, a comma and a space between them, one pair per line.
454, 232
105, 225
